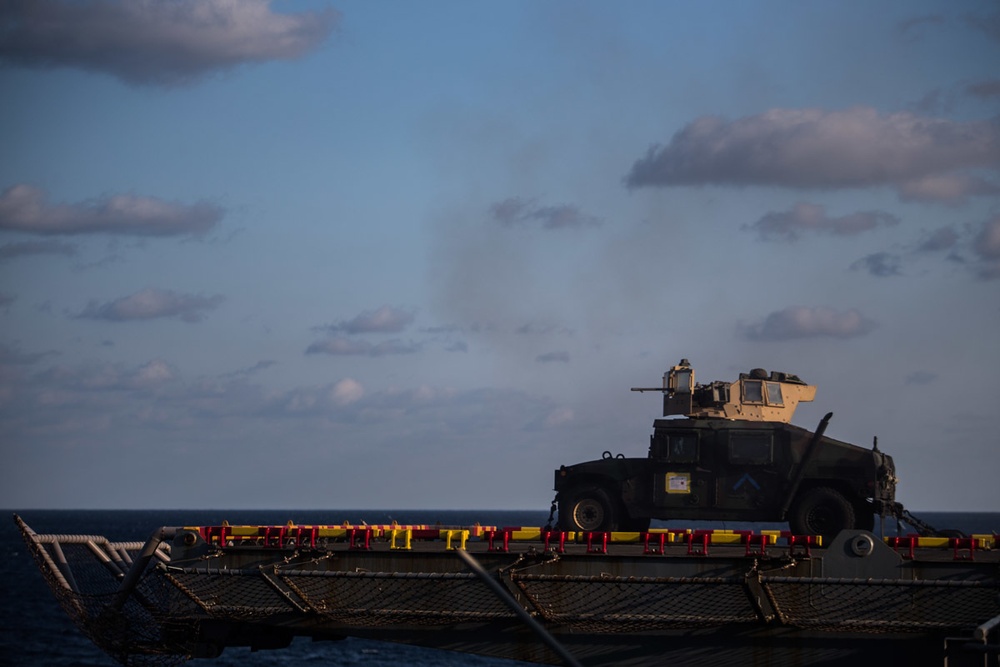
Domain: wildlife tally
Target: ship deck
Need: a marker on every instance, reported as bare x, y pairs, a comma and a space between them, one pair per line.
527, 593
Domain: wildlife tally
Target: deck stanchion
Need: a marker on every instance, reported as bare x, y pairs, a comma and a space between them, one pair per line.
134, 573
518, 610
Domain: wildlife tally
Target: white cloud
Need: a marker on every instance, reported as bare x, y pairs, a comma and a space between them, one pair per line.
23, 209
947, 188
152, 42
515, 210
150, 304
806, 322
348, 347
806, 217
381, 320
346, 391
68, 384
154, 372
814, 148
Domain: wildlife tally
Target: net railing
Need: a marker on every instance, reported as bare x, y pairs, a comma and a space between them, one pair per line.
609, 604
882, 605
85, 574
412, 598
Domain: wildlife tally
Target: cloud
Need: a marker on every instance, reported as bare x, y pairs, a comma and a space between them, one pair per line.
813, 148
880, 264
382, 320
10, 356
514, 211
975, 247
947, 188
346, 391
6, 299
434, 415
246, 372
548, 357
987, 244
61, 380
150, 42
347, 347
988, 271
914, 23
339, 346
806, 322
27, 248
23, 209
151, 304
559, 417
349, 401
805, 217
942, 238
987, 247
988, 23
154, 372
984, 89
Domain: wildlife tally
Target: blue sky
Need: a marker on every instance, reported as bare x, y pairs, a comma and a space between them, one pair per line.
382, 255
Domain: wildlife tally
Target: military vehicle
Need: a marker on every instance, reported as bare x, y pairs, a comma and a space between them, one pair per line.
727, 451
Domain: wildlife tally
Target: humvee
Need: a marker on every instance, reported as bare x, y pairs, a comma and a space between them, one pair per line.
727, 451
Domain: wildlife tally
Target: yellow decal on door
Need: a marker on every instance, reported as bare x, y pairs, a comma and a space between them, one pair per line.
678, 482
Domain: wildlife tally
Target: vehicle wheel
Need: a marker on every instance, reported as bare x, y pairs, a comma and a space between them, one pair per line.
821, 511
588, 510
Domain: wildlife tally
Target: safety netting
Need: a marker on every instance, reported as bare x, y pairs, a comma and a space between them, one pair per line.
882, 605
606, 604
405, 598
354, 598
85, 574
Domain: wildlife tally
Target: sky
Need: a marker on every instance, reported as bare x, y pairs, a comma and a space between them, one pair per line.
414, 255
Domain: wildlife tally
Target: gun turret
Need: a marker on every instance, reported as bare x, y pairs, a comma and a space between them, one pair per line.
755, 396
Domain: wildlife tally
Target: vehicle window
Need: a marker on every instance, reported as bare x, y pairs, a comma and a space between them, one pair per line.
682, 447
774, 394
752, 391
749, 447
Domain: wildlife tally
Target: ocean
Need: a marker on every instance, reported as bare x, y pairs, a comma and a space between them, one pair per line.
34, 630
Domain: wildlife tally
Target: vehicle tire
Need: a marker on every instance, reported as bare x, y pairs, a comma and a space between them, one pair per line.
821, 511
588, 510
